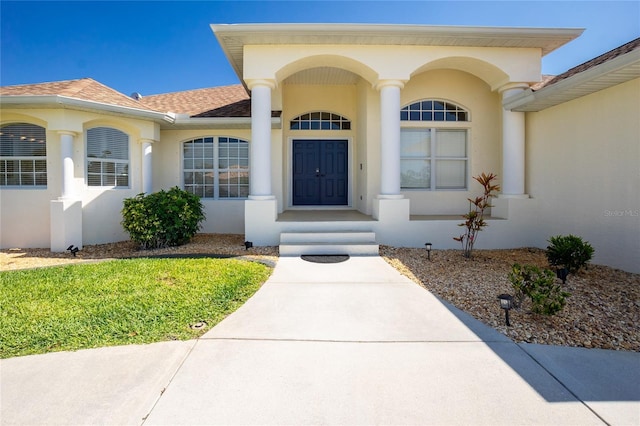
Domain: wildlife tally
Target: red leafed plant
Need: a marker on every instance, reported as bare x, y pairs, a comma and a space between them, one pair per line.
474, 220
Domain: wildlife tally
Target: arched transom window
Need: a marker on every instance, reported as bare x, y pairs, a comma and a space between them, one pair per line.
433, 110
23, 155
320, 120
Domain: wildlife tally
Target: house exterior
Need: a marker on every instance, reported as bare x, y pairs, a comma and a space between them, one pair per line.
345, 135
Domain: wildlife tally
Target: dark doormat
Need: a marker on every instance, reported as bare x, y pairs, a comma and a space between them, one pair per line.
325, 258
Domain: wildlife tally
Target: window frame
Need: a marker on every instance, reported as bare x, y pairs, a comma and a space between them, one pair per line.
433, 159
423, 116
21, 160
116, 162
216, 169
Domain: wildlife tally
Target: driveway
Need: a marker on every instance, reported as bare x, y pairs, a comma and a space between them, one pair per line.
345, 343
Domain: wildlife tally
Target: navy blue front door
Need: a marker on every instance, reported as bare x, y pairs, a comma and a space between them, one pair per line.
320, 172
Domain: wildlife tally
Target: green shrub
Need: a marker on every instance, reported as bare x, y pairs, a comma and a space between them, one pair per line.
540, 286
162, 219
569, 251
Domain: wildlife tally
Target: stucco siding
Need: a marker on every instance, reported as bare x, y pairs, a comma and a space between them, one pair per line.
583, 162
25, 212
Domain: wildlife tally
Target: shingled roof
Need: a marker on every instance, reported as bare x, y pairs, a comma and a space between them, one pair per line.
223, 101
614, 67
605, 57
86, 89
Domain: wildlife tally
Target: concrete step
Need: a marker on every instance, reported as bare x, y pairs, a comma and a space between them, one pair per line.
341, 242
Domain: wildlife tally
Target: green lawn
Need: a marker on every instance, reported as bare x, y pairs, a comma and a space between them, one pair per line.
119, 302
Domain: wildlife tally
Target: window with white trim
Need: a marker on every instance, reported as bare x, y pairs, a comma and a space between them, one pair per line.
216, 167
320, 120
107, 157
433, 158
23, 155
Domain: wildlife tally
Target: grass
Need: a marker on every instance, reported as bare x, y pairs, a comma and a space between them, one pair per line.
119, 302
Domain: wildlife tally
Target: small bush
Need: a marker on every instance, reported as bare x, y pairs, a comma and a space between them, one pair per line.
162, 219
569, 251
540, 286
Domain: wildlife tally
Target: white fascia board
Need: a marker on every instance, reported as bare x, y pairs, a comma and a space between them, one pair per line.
528, 96
222, 122
64, 101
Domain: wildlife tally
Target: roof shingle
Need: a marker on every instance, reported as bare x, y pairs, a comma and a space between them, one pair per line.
223, 101
85, 89
605, 57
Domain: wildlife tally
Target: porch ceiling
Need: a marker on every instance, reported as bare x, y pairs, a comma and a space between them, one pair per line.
233, 37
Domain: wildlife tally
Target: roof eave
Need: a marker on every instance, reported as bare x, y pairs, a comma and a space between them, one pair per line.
233, 37
48, 101
530, 100
220, 123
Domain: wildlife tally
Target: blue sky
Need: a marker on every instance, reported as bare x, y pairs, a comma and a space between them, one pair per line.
164, 46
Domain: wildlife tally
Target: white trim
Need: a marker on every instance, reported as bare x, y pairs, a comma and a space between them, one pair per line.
621, 69
289, 174
66, 101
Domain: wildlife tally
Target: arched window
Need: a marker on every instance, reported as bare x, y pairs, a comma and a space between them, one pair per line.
433, 110
23, 155
216, 167
107, 157
433, 156
320, 120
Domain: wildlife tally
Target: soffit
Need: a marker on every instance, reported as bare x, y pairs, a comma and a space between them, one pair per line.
233, 37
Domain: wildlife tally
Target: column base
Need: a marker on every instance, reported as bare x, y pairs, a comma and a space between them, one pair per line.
514, 196
262, 197
504, 203
260, 221
390, 196
66, 224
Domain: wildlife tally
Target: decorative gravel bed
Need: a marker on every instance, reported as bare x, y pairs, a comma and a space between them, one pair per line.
603, 310
201, 244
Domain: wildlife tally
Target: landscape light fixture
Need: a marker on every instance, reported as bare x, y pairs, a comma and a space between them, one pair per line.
248, 245
428, 245
73, 250
562, 274
506, 303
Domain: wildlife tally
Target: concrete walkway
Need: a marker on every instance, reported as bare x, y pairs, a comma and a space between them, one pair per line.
347, 343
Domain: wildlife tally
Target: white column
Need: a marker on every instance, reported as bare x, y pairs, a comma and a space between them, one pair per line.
147, 166
66, 154
513, 146
260, 157
390, 138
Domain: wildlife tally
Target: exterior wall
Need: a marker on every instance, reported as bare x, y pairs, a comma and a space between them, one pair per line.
222, 216
484, 137
582, 172
25, 213
367, 146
